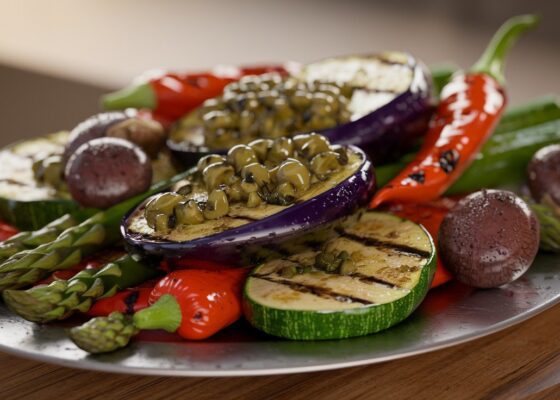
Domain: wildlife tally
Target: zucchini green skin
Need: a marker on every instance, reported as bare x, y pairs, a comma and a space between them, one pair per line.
325, 325
32, 215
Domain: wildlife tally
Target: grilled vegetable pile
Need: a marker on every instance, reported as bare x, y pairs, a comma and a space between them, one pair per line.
269, 223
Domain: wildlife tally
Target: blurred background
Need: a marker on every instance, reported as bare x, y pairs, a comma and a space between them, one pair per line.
58, 56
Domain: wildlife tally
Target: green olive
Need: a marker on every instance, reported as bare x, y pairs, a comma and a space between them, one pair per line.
254, 200
260, 147
217, 204
246, 121
324, 164
161, 223
300, 140
234, 191
219, 119
240, 156
217, 174
314, 145
342, 153
295, 173
163, 203
185, 189
256, 173
188, 213
209, 160
281, 149
301, 99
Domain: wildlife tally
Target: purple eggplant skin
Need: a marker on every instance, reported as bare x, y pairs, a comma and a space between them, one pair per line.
384, 134
226, 247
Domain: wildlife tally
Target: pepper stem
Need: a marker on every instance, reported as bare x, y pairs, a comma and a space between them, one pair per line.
492, 61
163, 314
141, 96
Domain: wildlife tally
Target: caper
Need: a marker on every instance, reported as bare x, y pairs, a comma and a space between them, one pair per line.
288, 271
256, 173
240, 156
286, 193
254, 200
217, 204
188, 213
260, 147
209, 160
314, 145
300, 140
246, 121
281, 149
327, 261
294, 172
217, 174
324, 164
163, 203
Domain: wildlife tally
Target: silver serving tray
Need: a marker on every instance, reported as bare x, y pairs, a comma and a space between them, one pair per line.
450, 315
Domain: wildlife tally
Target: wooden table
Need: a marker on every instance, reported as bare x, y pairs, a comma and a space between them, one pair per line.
518, 363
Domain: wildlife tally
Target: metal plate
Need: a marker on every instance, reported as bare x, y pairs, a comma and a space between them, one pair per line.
450, 315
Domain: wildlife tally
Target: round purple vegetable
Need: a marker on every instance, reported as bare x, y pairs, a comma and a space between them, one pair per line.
489, 238
544, 175
390, 105
227, 246
105, 171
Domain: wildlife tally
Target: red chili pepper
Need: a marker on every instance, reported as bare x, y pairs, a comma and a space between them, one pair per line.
208, 300
471, 105
429, 215
127, 301
172, 95
6, 231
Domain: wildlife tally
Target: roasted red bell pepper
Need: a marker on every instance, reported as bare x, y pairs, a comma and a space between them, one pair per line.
430, 215
471, 105
208, 300
127, 301
6, 231
172, 95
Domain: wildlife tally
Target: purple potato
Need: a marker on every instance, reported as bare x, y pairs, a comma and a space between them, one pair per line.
489, 238
544, 176
92, 128
106, 171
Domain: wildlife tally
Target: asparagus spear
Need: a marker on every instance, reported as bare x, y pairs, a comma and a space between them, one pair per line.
105, 334
550, 226
100, 230
62, 298
32, 239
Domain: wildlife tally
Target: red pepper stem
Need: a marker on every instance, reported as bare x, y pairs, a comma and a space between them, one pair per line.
163, 314
492, 61
140, 96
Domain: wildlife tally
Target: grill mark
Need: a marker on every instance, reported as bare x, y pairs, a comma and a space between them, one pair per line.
373, 279
14, 182
315, 290
130, 301
400, 248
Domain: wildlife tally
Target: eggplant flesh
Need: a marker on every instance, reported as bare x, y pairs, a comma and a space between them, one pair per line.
224, 239
390, 105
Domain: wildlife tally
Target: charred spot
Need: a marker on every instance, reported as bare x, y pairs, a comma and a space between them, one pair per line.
419, 176
130, 301
448, 160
